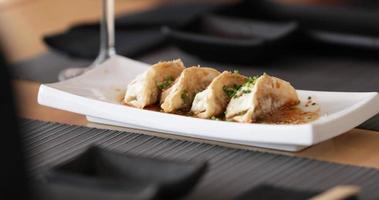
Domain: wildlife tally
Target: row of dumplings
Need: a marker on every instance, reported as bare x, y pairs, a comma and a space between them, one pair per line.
207, 93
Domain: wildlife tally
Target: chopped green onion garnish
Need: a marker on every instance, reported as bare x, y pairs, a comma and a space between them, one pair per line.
185, 96
166, 83
230, 91
246, 87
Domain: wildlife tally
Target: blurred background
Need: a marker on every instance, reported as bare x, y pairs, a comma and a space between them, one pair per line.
299, 40
24, 23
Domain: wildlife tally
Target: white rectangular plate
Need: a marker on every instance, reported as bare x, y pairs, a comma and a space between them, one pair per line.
97, 95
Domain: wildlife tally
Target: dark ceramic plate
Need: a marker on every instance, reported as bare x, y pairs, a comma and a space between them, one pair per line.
350, 28
236, 40
64, 187
112, 175
269, 192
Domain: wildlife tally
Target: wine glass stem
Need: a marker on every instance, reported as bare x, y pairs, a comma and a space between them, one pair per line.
107, 33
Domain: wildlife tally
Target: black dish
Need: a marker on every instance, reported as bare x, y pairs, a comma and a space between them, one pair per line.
260, 31
269, 192
63, 187
99, 172
350, 20
230, 39
346, 30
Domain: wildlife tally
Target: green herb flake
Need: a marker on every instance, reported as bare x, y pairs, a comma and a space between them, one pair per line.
251, 80
185, 95
246, 87
166, 83
309, 98
230, 91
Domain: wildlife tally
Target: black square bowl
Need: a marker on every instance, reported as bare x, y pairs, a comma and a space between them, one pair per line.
232, 39
112, 175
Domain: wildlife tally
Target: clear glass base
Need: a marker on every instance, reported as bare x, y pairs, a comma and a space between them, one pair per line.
107, 40
77, 71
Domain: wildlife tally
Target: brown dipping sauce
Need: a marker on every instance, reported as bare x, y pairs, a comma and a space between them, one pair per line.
120, 97
154, 108
286, 115
291, 115
159, 109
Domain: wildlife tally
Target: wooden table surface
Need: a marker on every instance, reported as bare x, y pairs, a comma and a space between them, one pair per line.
356, 147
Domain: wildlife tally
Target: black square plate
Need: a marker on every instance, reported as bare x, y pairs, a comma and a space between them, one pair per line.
232, 39
112, 175
269, 192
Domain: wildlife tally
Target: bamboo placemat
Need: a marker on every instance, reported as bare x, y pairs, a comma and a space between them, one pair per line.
231, 171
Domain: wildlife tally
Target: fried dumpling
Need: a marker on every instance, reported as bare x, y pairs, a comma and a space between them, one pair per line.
145, 89
213, 101
259, 97
191, 81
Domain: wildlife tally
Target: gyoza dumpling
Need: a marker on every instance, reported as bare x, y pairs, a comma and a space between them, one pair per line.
260, 96
144, 90
191, 81
213, 101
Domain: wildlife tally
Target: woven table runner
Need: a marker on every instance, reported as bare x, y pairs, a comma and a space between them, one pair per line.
231, 171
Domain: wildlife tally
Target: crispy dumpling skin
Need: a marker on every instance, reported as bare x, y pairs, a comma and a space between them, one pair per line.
191, 81
213, 101
144, 89
266, 95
